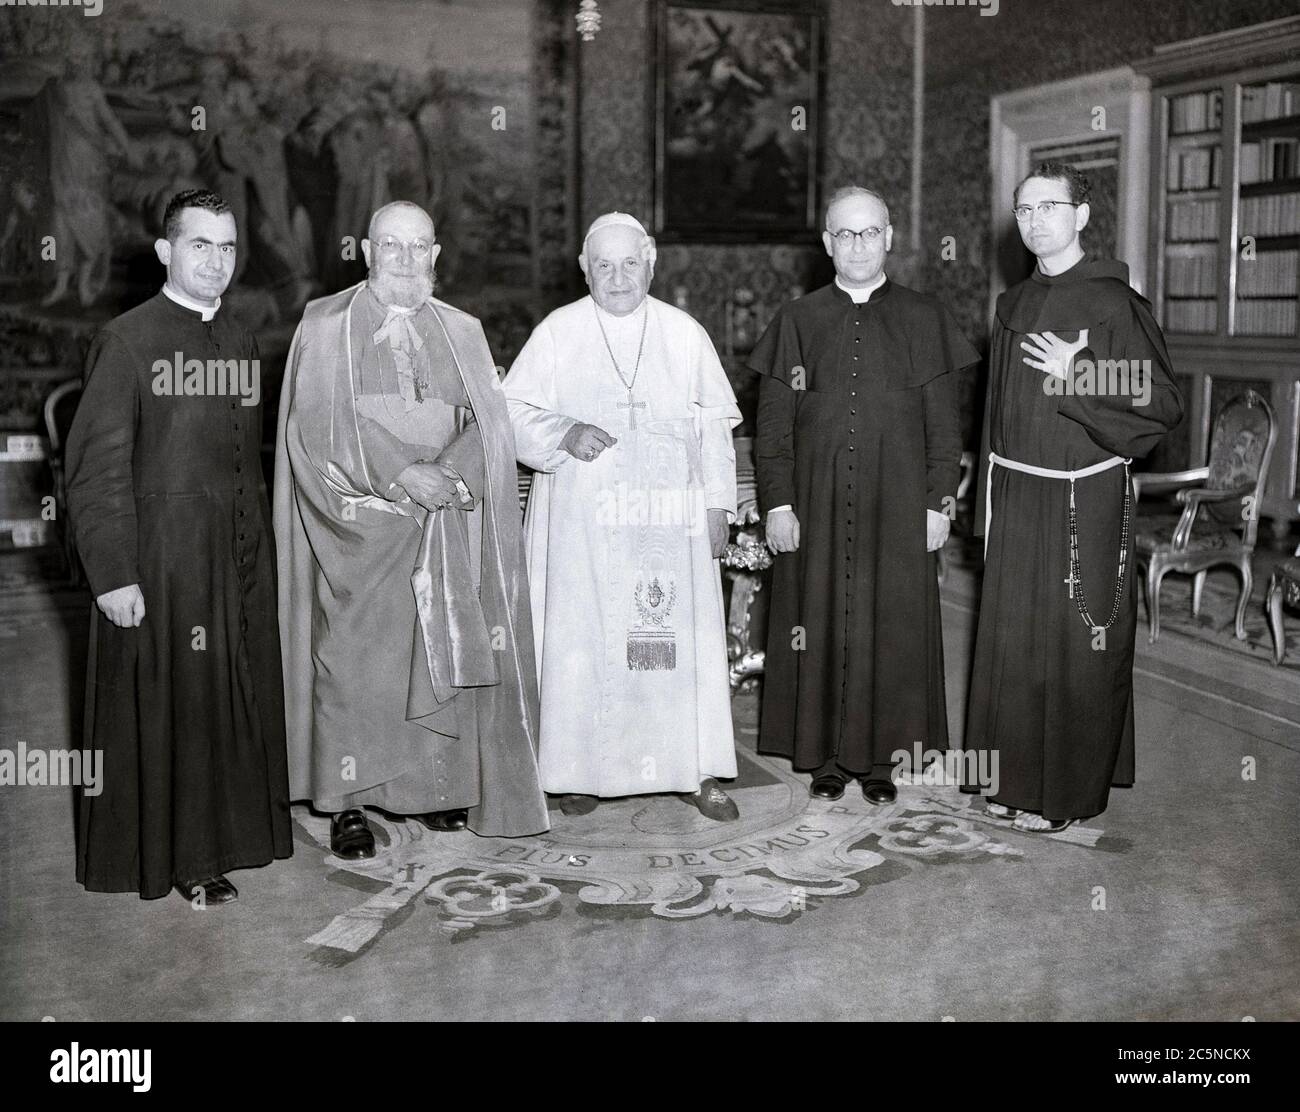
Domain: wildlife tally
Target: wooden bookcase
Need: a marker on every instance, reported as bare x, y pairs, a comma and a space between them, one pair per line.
1225, 232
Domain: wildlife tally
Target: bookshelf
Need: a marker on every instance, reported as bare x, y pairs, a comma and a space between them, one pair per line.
1193, 206
1254, 205
1268, 208
1224, 244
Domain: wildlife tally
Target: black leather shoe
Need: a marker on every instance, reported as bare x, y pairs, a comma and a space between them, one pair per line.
216, 890
574, 804
879, 791
827, 787
350, 836
444, 820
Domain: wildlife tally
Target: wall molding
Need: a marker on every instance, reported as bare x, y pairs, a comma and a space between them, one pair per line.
1224, 51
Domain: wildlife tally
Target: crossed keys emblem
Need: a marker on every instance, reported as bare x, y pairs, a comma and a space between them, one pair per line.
652, 604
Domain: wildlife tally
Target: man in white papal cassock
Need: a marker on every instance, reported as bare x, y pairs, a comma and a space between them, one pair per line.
621, 406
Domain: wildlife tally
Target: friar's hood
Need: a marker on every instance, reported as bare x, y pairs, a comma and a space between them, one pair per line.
1090, 292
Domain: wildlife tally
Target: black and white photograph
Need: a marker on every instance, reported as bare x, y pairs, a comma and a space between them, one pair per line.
651, 511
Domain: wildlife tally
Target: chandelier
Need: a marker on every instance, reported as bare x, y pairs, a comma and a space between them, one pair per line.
588, 19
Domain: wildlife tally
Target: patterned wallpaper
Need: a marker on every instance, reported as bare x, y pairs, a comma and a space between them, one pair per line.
866, 114
970, 57
867, 117
555, 56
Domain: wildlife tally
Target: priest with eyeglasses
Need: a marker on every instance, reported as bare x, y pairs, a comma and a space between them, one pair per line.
404, 618
858, 455
1052, 682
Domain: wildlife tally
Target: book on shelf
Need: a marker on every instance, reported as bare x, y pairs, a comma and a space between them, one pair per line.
1269, 274
1193, 112
1277, 214
1193, 169
1190, 221
1273, 101
1191, 316
1191, 275
1275, 317
1269, 160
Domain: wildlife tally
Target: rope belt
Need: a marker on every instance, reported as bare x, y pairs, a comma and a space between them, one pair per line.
1075, 580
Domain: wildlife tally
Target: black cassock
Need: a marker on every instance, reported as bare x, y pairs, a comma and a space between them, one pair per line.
1052, 697
858, 431
167, 492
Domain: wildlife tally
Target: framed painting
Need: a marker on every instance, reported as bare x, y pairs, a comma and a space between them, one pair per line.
737, 109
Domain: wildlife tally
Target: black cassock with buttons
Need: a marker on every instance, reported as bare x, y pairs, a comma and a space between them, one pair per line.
858, 432
166, 491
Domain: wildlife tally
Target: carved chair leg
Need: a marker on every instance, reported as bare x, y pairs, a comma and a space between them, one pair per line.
1247, 583
1140, 584
744, 587
1198, 584
1155, 573
1274, 603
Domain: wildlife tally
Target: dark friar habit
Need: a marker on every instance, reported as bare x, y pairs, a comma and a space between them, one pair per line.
408, 643
167, 492
1058, 711
869, 443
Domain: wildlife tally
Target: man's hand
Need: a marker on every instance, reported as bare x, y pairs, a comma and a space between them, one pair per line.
586, 442
123, 607
782, 531
429, 485
718, 530
937, 527
1051, 354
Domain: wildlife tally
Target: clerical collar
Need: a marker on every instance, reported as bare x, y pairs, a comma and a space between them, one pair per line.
206, 311
860, 296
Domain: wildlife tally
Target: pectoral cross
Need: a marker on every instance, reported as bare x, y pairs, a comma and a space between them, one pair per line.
1069, 579
632, 407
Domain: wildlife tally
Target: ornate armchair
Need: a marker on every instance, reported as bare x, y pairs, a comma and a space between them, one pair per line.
1220, 503
1283, 588
60, 407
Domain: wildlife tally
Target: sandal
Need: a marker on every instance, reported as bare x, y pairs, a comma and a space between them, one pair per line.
1001, 811
1054, 826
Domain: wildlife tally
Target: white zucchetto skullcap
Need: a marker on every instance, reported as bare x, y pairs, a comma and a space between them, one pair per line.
611, 220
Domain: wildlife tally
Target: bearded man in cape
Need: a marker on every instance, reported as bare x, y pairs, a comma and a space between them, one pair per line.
404, 614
